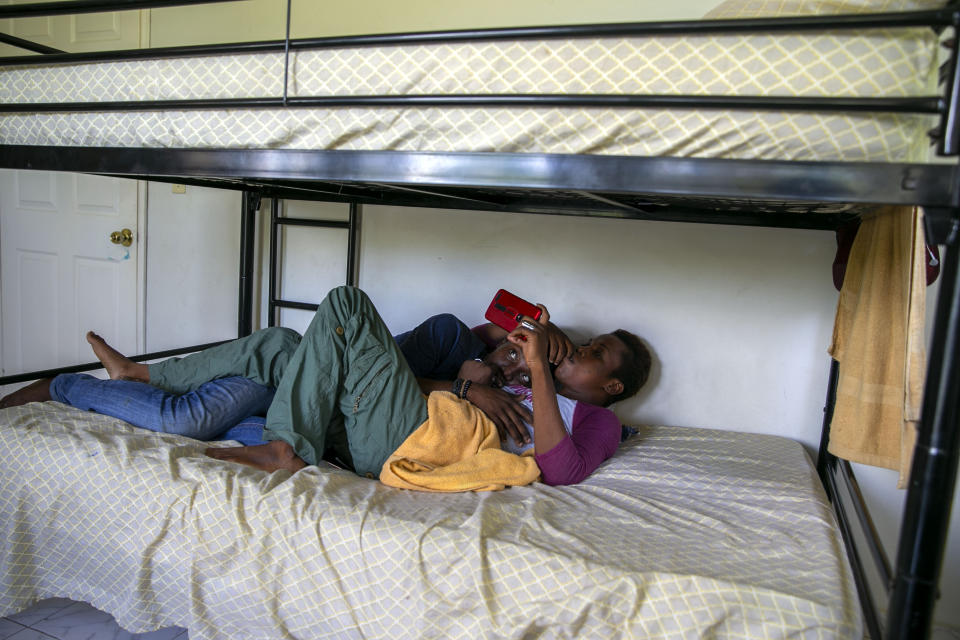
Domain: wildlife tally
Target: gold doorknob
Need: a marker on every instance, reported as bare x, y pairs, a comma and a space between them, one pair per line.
124, 237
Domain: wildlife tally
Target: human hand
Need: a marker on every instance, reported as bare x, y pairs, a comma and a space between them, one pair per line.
506, 411
481, 373
531, 337
559, 346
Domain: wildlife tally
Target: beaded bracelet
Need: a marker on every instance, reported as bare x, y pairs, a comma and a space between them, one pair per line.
457, 384
463, 389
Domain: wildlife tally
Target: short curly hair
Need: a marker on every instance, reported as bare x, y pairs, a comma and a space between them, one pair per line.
634, 371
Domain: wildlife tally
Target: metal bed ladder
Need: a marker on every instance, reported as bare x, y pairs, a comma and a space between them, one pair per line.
275, 304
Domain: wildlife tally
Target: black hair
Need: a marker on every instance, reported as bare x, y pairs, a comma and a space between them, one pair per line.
634, 370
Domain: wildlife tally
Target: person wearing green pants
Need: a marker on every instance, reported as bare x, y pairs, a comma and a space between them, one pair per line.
344, 384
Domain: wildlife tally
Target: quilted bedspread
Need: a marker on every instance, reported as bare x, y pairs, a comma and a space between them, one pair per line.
685, 532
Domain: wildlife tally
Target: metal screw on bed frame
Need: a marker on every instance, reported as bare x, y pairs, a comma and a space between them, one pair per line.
909, 182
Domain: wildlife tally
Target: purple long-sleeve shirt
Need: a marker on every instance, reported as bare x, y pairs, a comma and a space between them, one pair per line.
593, 434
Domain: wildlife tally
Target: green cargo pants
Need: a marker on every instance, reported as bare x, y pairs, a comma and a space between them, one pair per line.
347, 367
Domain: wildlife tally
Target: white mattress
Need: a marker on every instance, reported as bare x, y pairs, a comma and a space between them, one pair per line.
685, 532
870, 63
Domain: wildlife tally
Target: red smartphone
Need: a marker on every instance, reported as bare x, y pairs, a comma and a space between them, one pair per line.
506, 309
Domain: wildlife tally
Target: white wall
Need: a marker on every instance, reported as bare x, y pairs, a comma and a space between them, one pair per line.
193, 253
710, 300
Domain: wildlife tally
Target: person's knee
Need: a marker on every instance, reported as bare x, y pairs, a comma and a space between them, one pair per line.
62, 385
347, 295
279, 339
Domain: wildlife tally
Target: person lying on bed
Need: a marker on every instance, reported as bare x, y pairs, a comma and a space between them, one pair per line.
229, 408
347, 379
347, 367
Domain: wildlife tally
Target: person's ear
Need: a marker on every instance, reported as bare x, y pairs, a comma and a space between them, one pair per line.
613, 387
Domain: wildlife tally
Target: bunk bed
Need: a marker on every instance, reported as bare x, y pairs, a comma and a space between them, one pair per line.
380, 561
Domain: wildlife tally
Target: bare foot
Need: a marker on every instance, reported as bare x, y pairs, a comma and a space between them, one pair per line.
272, 456
38, 391
118, 366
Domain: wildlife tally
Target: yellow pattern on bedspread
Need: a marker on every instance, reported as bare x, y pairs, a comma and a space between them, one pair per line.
683, 530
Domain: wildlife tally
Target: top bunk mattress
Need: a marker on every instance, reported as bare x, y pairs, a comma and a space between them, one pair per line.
869, 63
684, 533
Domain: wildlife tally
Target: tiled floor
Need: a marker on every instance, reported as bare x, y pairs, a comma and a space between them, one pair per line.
59, 619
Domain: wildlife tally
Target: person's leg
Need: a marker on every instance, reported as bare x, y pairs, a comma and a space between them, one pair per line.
38, 391
349, 364
262, 357
438, 346
202, 414
248, 432
118, 366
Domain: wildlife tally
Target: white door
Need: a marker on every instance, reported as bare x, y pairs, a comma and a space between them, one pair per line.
60, 272
60, 275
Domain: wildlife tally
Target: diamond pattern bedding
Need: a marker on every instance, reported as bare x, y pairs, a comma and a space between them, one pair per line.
684, 530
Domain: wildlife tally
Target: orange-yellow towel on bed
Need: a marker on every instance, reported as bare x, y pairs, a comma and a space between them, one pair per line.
878, 339
456, 449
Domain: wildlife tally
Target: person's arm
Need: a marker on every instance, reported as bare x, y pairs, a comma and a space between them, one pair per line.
548, 429
559, 345
491, 334
595, 437
504, 409
562, 458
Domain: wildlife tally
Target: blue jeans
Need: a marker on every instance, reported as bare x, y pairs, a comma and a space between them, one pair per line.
221, 409
228, 408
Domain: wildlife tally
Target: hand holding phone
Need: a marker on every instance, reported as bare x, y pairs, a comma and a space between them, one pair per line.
506, 310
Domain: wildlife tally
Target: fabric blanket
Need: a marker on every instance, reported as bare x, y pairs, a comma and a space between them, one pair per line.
456, 449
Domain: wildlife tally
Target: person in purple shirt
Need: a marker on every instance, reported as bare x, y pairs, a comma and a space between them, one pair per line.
573, 431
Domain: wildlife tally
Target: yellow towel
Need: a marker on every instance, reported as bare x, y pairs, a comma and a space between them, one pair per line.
456, 449
878, 339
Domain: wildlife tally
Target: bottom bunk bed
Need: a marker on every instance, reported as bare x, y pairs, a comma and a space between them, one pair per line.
685, 532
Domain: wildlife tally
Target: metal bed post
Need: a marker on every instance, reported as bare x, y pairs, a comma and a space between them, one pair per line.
933, 473
828, 407
248, 234
273, 271
353, 244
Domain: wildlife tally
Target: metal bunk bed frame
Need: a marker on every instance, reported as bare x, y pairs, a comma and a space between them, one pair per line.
656, 188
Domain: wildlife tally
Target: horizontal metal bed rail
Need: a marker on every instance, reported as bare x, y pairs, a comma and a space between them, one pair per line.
921, 104
929, 185
93, 366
